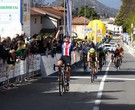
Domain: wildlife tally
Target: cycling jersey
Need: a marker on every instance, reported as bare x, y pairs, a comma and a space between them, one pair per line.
67, 47
92, 56
120, 49
116, 53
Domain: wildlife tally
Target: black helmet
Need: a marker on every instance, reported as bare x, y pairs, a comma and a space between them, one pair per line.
66, 36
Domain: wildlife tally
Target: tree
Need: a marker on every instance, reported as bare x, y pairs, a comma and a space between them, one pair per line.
125, 15
88, 12
75, 12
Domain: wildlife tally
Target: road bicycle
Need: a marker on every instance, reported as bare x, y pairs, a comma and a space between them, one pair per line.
100, 63
92, 72
117, 63
63, 87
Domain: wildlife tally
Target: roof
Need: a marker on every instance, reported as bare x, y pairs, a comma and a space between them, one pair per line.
47, 10
60, 8
111, 21
80, 21
33, 12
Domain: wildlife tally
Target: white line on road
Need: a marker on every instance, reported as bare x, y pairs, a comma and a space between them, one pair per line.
88, 77
101, 87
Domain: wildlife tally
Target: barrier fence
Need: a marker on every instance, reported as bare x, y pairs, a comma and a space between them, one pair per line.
36, 64
23, 67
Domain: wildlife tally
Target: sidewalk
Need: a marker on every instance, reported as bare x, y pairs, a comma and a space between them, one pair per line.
131, 49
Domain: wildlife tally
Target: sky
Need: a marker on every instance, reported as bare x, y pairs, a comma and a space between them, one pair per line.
110, 3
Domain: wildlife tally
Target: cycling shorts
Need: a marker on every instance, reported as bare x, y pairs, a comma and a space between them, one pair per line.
65, 59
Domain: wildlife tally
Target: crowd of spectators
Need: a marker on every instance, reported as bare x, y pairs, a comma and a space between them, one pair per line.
20, 46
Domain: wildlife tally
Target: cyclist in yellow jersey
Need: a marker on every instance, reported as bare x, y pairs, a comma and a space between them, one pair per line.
92, 57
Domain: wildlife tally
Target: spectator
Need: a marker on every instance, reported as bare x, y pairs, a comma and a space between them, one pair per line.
3, 52
21, 50
14, 44
12, 59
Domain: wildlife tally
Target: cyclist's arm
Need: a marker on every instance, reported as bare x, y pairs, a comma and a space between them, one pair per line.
96, 56
57, 35
88, 56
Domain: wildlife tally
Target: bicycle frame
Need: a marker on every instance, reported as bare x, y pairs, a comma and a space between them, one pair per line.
117, 63
62, 79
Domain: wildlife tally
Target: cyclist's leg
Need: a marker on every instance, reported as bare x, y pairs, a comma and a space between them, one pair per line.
60, 63
95, 67
68, 72
67, 61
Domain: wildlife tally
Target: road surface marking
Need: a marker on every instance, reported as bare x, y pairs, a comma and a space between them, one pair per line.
101, 87
99, 77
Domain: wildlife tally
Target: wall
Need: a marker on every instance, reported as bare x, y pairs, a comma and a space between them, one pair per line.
79, 29
35, 27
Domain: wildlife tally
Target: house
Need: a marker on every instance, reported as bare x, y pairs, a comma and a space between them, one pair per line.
49, 19
79, 24
45, 20
110, 25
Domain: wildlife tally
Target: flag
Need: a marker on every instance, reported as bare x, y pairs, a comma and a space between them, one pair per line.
69, 16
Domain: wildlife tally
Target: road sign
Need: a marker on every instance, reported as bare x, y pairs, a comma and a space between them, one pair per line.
88, 30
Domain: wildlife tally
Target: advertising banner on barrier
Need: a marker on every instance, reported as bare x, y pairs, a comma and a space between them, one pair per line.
38, 62
11, 71
31, 63
5, 71
17, 69
22, 67
2, 76
35, 60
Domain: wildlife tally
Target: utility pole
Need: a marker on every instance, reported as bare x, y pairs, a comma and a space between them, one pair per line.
131, 40
64, 18
84, 18
95, 37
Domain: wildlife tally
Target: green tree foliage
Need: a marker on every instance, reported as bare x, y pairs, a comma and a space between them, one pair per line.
125, 16
88, 12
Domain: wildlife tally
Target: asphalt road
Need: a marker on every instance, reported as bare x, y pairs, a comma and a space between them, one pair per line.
112, 90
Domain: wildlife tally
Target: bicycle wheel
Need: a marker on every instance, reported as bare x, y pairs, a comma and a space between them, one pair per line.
117, 64
61, 83
100, 64
92, 77
92, 73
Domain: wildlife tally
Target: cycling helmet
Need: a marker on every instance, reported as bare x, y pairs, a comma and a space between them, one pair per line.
92, 50
66, 36
100, 48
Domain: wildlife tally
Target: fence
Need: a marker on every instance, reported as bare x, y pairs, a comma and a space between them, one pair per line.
23, 67
33, 64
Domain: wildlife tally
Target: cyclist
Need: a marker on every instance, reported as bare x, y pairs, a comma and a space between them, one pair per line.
116, 55
67, 48
121, 51
84, 51
101, 56
92, 58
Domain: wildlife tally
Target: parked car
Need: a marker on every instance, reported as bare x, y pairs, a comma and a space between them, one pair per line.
108, 47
